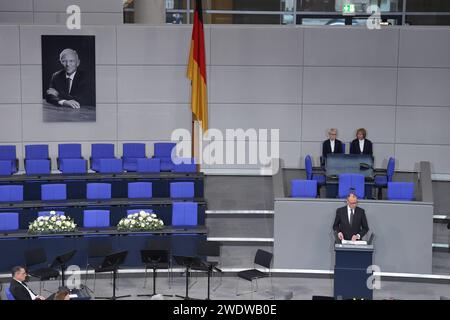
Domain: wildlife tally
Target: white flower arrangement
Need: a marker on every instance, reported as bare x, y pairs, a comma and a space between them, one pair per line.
140, 221
53, 223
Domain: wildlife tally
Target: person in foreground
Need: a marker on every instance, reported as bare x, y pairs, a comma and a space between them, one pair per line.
361, 145
19, 288
350, 222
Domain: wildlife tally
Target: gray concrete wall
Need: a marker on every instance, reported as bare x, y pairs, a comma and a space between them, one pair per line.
301, 80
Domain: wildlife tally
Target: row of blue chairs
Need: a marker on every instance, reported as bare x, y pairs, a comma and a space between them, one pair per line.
96, 191
102, 160
183, 214
380, 181
403, 191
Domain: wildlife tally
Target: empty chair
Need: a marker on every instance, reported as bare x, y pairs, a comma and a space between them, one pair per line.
70, 159
8, 156
139, 190
211, 251
320, 178
381, 181
73, 166
400, 191
184, 213
351, 183
97, 250
6, 168
303, 188
47, 213
131, 153
149, 165
263, 259
182, 190
35, 167
98, 191
9, 221
69, 151
37, 257
96, 218
56, 191
101, 151
37, 160
185, 165
163, 151
343, 148
110, 166
10, 193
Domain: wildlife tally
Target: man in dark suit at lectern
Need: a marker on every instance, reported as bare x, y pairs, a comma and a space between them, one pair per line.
350, 222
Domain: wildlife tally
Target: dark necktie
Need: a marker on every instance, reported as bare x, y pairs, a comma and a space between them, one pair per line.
68, 85
351, 216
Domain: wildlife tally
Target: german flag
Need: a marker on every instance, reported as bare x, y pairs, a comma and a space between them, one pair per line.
197, 69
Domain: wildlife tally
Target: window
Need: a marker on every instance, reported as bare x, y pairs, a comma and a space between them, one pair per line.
307, 12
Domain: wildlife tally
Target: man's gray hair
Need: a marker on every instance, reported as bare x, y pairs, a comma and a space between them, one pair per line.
68, 51
332, 130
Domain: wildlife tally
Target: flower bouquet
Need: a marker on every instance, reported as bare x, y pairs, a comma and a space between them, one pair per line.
140, 221
53, 223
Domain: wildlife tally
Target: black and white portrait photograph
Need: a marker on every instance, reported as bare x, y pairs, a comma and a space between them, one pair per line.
68, 78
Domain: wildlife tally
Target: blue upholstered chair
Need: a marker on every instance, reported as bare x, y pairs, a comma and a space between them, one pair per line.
11, 193
149, 165
70, 159
73, 166
303, 188
184, 213
351, 182
139, 190
96, 218
69, 151
9, 221
37, 160
6, 168
56, 191
181, 190
8, 155
8, 293
320, 178
185, 165
381, 181
403, 191
132, 152
101, 151
163, 151
98, 191
110, 166
343, 148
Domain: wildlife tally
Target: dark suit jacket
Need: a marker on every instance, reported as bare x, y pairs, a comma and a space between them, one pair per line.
18, 291
354, 147
82, 89
342, 224
326, 147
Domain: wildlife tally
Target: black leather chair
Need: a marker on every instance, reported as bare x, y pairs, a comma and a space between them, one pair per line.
98, 249
38, 257
263, 259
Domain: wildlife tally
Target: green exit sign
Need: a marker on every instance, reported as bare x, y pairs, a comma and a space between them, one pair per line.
348, 8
